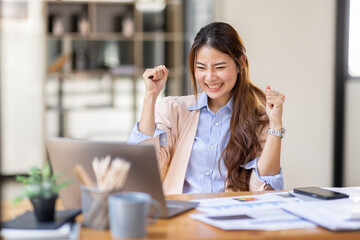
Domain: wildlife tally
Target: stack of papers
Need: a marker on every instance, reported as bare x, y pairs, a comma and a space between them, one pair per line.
67, 231
277, 211
336, 215
25, 226
255, 212
269, 219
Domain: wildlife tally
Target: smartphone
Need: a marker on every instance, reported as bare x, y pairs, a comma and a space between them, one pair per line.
320, 193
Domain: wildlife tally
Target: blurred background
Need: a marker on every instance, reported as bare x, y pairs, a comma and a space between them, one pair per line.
74, 69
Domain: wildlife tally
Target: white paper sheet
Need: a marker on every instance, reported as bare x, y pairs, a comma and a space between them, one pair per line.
252, 212
260, 219
275, 211
333, 214
66, 231
242, 203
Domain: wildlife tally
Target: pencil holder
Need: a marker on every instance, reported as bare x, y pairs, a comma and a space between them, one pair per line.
94, 207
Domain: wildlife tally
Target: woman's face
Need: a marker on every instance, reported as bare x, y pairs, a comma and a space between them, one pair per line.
216, 74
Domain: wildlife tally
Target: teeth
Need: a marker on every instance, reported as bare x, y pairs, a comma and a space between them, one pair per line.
214, 85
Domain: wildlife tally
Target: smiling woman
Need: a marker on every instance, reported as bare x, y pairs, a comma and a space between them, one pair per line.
216, 73
226, 138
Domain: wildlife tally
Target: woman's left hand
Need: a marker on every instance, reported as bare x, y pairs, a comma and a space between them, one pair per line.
274, 108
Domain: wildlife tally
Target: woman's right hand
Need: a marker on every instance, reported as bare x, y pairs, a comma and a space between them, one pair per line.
155, 79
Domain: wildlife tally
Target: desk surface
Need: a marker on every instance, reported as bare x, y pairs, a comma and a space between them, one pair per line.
184, 227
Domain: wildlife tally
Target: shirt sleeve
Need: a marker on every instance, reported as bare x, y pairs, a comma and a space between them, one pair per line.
276, 181
137, 137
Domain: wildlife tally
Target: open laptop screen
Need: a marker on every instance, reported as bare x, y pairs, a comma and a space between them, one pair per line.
144, 176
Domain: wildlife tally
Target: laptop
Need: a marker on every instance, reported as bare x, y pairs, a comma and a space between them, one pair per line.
144, 175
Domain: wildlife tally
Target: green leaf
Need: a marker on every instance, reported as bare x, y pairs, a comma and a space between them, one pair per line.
22, 179
19, 198
46, 172
40, 182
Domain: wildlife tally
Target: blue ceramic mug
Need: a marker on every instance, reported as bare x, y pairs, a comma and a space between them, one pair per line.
129, 212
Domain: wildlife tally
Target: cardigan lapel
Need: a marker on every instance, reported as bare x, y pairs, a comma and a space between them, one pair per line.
174, 179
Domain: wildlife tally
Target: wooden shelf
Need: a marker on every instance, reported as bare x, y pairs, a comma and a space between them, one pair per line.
111, 39
85, 108
91, 36
148, 36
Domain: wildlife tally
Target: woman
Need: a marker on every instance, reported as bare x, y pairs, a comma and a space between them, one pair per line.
227, 138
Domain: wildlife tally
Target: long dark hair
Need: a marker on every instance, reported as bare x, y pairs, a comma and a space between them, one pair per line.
248, 117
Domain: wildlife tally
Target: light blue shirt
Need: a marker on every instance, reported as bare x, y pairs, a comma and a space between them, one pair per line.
212, 136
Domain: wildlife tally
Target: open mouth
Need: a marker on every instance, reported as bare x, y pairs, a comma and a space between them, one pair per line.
214, 86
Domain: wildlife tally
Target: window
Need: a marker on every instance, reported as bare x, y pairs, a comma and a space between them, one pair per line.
354, 39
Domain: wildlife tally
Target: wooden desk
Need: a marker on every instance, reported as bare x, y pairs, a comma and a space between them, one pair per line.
184, 227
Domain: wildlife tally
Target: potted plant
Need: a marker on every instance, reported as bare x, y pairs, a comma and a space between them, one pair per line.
42, 189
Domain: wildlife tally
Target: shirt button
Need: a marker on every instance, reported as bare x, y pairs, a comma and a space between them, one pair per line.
163, 140
207, 173
212, 146
217, 124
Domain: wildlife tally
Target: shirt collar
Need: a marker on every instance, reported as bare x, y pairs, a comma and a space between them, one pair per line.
202, 101
230, 103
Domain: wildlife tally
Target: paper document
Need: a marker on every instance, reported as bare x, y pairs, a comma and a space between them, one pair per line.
252, 212
335, 215
243, 203
259, 219
66, 231
276, 211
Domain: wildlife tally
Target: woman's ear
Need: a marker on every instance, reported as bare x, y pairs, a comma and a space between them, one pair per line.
243, 59
242, 63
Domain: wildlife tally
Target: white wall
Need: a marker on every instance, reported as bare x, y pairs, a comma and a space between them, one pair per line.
22, 75
291, 46
352, 134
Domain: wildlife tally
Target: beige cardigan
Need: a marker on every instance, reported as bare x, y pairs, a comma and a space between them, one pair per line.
180, 124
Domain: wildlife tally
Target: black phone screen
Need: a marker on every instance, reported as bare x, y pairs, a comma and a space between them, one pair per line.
320, 193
